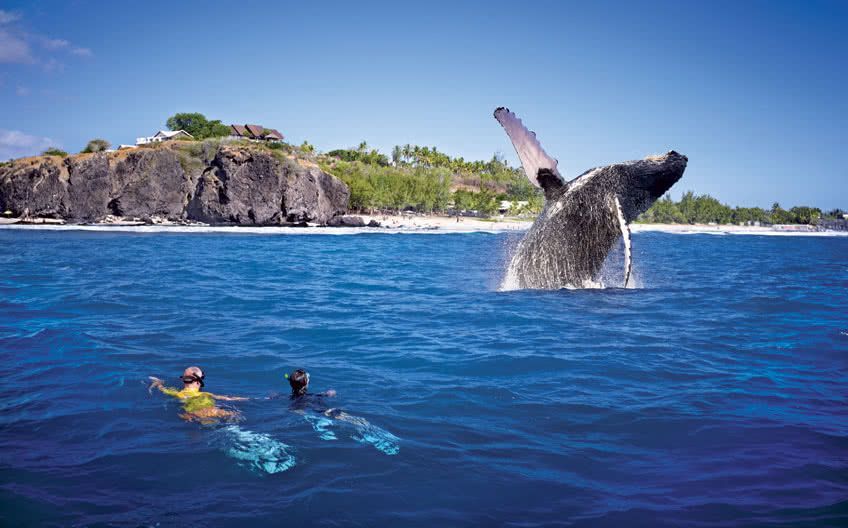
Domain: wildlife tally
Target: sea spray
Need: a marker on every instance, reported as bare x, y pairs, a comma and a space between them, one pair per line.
614, 272
256, 451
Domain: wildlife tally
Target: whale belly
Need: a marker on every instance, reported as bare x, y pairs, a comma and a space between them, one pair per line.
566, 249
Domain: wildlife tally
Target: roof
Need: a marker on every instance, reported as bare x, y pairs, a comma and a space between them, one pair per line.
274, 133
255, 130
171, 133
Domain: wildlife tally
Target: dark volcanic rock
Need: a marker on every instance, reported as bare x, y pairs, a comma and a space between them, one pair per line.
35, 186
241, 187
347, 221
373, 223
230, 185
312, 195
89, 187
150, 183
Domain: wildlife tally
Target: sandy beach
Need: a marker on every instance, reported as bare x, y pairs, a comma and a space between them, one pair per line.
422, 224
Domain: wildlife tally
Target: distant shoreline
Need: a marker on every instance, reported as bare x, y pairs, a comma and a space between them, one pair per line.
407, 224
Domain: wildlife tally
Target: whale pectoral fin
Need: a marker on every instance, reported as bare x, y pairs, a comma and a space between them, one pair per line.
625, 235
549, 182
540, 168
628, 256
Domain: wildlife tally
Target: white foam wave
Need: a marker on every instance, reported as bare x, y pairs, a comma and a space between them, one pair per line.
263, 230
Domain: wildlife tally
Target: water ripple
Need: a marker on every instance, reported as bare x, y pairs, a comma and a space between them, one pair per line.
714, 394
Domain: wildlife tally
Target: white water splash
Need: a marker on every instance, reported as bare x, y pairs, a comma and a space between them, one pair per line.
610, 275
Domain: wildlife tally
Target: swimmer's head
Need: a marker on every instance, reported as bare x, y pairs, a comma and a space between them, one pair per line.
193, 375
299, 381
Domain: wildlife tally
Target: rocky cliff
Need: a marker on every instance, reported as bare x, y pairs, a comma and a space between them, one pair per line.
182, 181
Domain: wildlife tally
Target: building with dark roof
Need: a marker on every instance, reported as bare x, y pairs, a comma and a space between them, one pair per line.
256, 133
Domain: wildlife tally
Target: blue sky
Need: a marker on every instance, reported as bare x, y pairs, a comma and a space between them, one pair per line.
753, 92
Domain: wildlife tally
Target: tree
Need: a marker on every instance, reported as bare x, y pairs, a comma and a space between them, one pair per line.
215, 129
778, 215
664, 211
805, 215
307, 147
96, 145
197, 125
194, 123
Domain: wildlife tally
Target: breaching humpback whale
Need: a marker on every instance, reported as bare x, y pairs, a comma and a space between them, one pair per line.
583, 218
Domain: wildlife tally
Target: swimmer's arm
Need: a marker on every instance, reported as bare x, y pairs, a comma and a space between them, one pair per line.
159, 384
229, 398
169, 391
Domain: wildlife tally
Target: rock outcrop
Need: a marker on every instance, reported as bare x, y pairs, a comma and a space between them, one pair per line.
37, 186
347, 221
230, 185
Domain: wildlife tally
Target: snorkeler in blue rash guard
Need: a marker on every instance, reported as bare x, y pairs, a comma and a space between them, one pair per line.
308, 405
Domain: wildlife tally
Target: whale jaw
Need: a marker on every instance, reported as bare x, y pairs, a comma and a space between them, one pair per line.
643, 182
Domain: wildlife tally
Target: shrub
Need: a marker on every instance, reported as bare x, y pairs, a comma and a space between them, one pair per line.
96, 145
53, 151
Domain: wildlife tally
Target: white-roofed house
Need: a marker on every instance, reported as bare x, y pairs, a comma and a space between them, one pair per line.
164, 135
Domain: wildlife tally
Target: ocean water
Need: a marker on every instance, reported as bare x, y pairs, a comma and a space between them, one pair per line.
712, 395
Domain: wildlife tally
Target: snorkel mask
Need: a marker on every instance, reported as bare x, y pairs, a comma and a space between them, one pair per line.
193, 378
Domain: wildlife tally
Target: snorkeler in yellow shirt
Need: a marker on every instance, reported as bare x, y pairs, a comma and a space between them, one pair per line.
198, 405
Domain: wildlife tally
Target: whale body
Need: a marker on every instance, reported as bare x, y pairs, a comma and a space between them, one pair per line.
583, 218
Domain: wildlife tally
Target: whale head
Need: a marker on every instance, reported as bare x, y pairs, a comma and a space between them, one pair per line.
643, 182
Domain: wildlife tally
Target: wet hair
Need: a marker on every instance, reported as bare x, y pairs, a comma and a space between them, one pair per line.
299, 381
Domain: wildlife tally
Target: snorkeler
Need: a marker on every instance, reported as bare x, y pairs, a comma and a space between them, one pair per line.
198, 405
321, 417
299, 382
256, 451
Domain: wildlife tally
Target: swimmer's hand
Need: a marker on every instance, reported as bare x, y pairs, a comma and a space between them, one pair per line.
154, 382
330, 393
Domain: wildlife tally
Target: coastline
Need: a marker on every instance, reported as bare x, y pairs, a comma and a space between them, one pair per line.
398, 224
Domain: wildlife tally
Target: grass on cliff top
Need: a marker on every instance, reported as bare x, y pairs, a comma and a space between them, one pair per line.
194, 155
206, 149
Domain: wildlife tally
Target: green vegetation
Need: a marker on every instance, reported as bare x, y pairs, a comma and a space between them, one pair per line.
197, 125
705, 209
203, 151
53, 151
374, 186
361, 154
96, 145
426, 180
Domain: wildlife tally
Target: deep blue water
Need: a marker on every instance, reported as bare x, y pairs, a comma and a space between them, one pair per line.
714, 395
